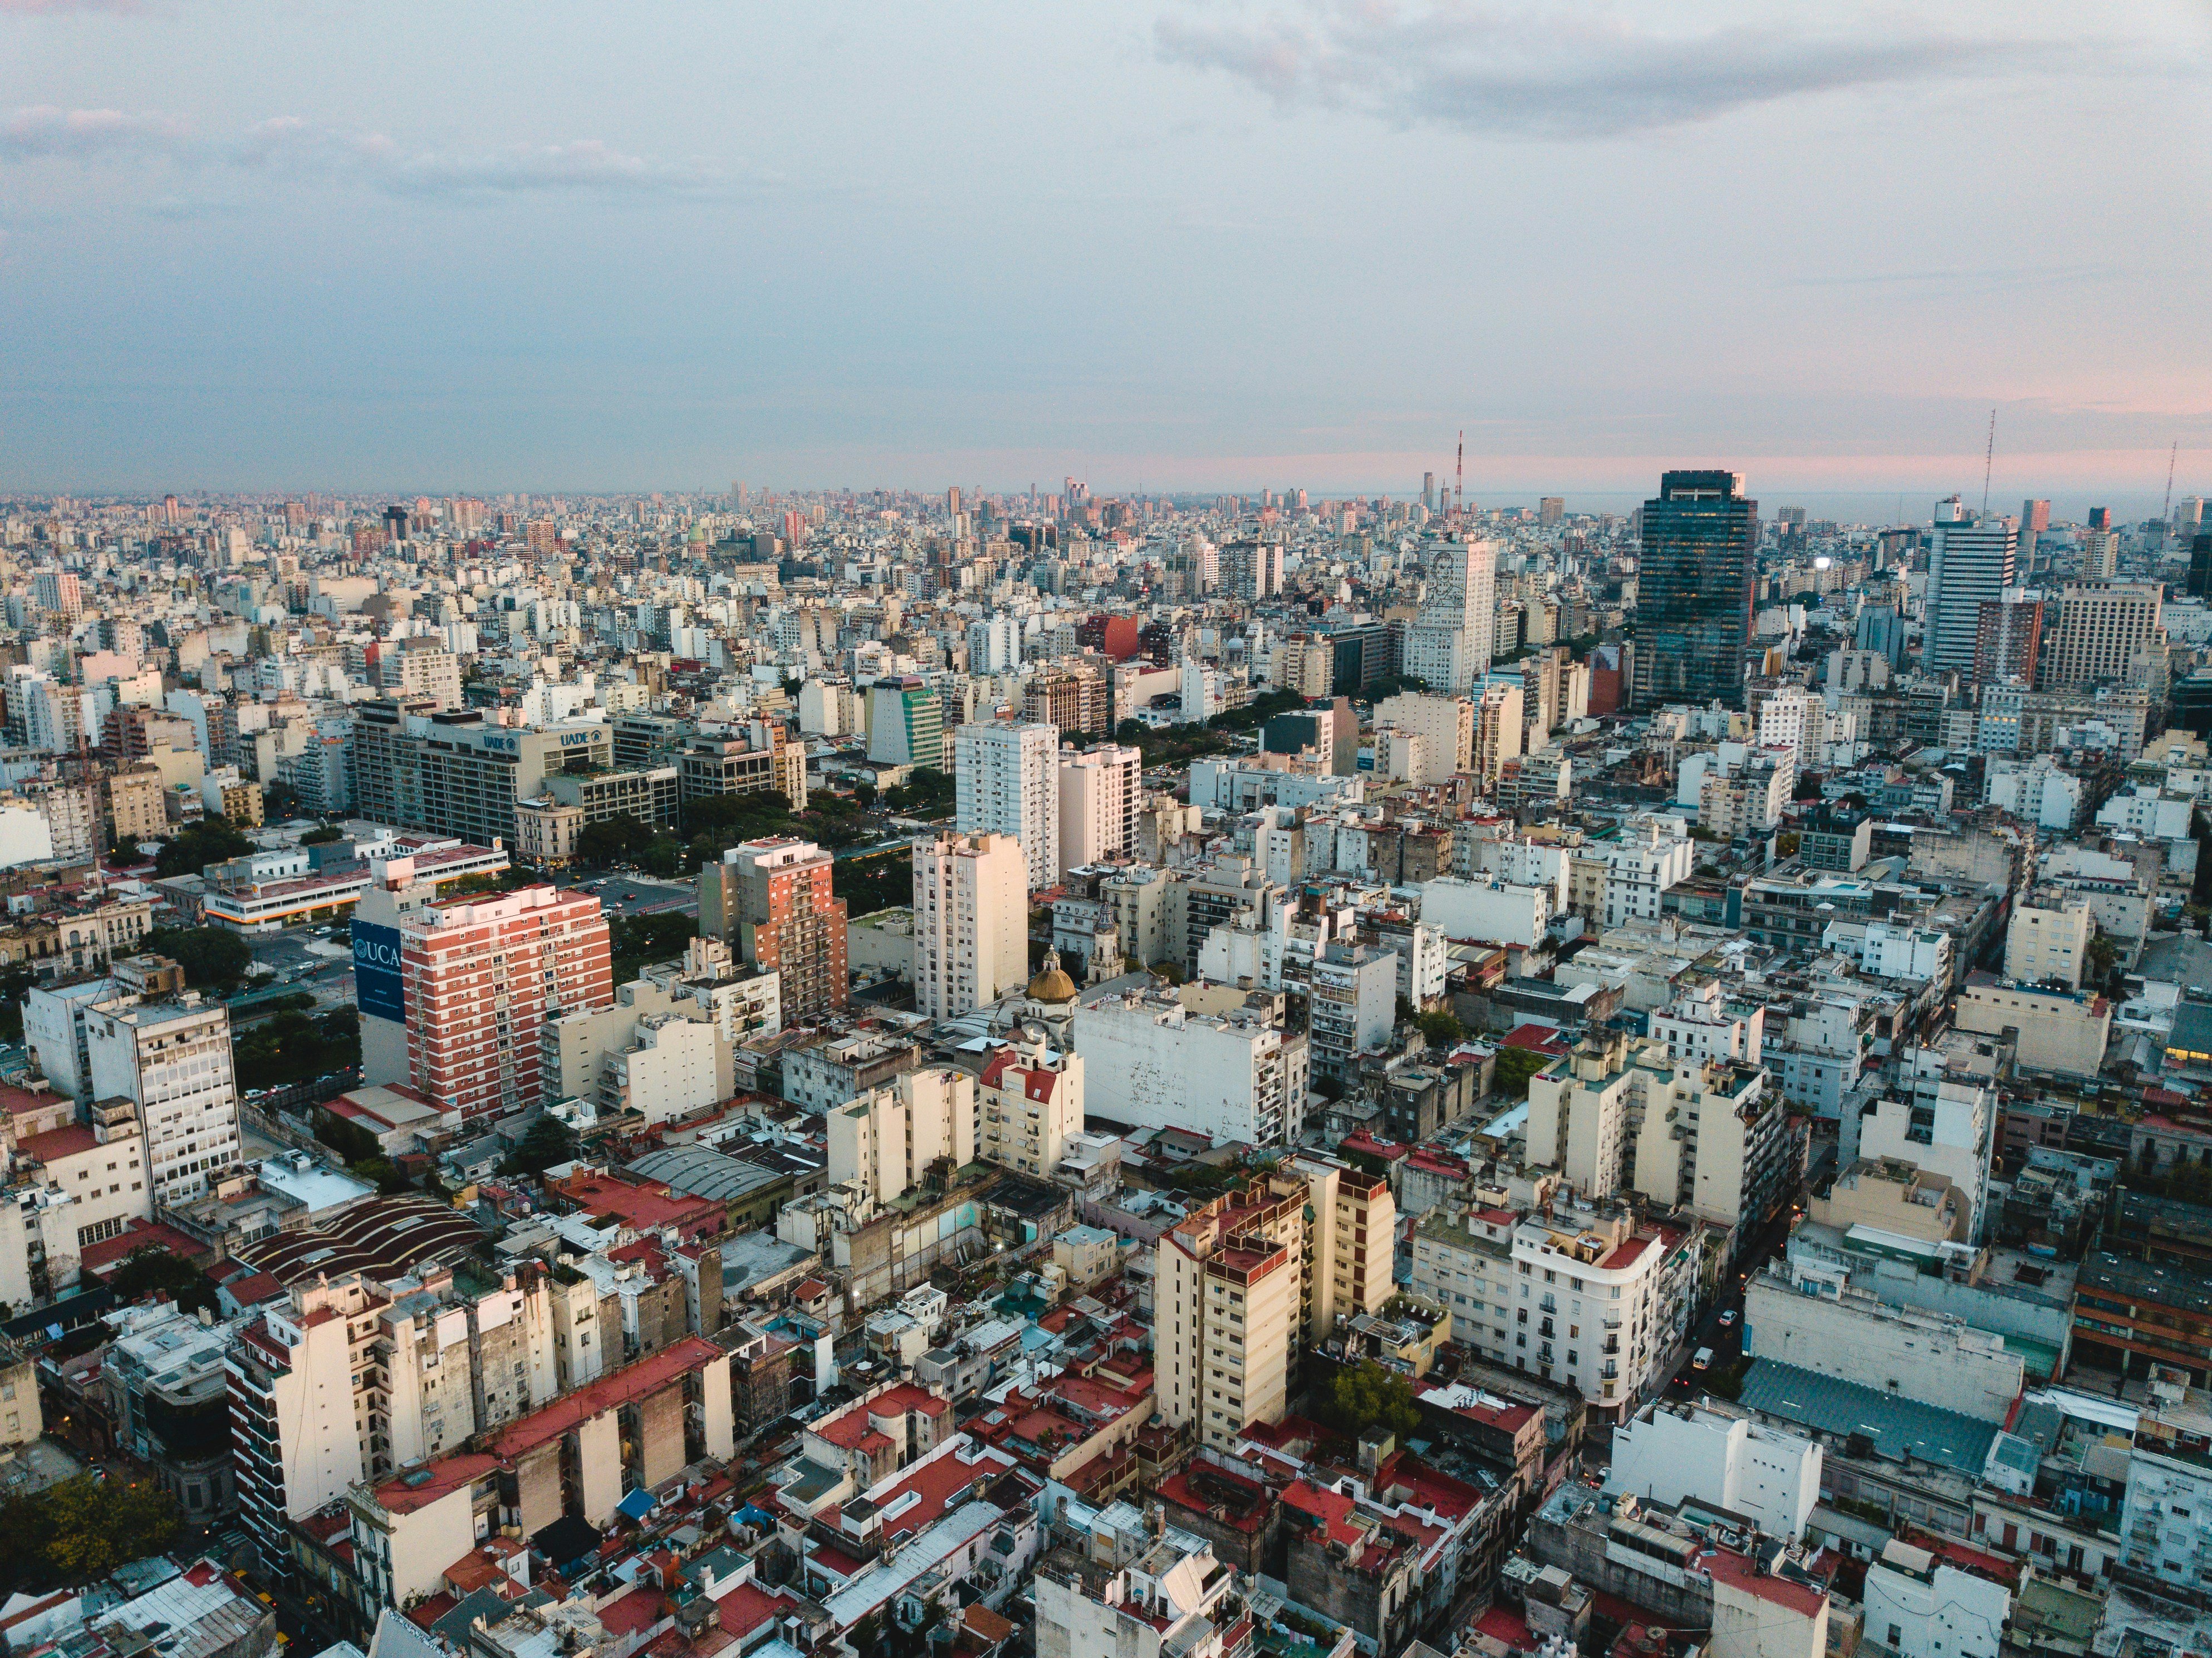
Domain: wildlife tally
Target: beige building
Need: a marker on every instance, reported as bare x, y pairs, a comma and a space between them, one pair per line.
1892, 1195
1101, 791
1242, 1279
412, 671
136, 810
884, 1141
1030, 1103
1445, 727
2048, 938
970, 922
2104, 631
1498, 730
2061, 1030
545, 831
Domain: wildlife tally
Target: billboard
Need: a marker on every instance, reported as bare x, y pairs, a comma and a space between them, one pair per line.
378, 989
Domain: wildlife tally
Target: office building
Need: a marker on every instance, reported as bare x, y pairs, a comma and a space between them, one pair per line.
482, 976
1451, 642
1007, 782
2199, 584
1102, 792
771, 900
457, 774
970, 922
1970, 564
906, 724
1695, 577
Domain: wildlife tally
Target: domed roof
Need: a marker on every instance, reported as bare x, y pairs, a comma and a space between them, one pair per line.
1052, 984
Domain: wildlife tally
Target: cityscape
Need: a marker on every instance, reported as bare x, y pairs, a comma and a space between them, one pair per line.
1229, 828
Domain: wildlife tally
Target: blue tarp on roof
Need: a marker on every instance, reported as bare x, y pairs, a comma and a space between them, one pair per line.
637, 1504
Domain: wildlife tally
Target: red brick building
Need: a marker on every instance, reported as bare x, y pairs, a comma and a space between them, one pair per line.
482, 974
771, 898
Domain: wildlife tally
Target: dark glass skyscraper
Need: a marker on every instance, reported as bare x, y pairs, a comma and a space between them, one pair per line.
2200, 565
1693, 590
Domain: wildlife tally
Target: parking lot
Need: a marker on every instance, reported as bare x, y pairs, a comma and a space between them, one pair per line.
639, 895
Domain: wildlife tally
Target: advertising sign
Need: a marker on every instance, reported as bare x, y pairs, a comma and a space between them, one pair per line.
378, 987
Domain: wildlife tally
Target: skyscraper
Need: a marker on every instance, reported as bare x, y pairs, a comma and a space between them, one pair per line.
2200, 565
1451, 642
2106, 631
1970, 563
1007, 782
2008, 639
1693, 591
1102, 790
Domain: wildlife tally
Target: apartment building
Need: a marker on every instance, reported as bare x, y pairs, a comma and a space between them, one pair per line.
1007, 782
170, 1056
2048, 938
1352, 1006
771, 899
970, 922
1031, 1105
885, 1139
1444, 726
2105, 630
1577, 1294
1101, 791
481, 977
1236, 1075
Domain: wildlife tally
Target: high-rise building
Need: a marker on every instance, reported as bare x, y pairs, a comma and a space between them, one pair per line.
482, 976
1450, 643
2100, 518
170, 1056
2106, 631
1695, 578
1007, 782
59, 591
1970, 563
456, 773
771, 899
1077, 698
971, 919
906, 724
2200, 565
1445, 725
1252, 569
2034, 520
2008, 639
1498, 730
418, 670
884, 1140
1550, 509
1102, 790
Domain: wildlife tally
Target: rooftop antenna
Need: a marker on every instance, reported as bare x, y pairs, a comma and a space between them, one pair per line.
1459, 477
1989, 457
2166, 512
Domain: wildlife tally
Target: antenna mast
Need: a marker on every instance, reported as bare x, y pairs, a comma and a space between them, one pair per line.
1988, 456
1459, 477
2166, 512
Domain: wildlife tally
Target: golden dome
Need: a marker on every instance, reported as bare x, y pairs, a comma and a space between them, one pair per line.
1052, 984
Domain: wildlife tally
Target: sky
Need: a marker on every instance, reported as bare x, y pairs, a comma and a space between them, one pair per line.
1167, 245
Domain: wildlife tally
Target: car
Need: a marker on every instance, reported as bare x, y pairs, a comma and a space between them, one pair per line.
1728, 1317
1702, 1359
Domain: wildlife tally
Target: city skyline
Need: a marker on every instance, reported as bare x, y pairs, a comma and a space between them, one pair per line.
1184, 248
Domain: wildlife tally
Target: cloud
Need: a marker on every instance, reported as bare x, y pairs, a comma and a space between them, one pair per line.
291, 146
1564, 70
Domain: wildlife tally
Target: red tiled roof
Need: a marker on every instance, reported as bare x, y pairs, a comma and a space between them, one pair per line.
71, 1139
1738, 1573
1536, 1038
746, 1607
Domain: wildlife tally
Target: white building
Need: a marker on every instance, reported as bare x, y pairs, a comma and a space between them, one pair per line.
674, 1065
1492, 912
2148, 811
1918, 1606
172, 1058
1970, 561
970, 921
2033, 791
1102, 790
2048, 940
1901, 1353
1451, 641
1235, 1076
1007, 782
1677, 1450
2166, 1527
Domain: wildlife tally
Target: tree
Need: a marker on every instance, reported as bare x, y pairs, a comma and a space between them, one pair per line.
86, 1528
549, 1143
210, 841
619, 840
1515, 1066
1441, 1029
927, 792
213, 958
1370, 1397
153, 1271
323, 837
636, 940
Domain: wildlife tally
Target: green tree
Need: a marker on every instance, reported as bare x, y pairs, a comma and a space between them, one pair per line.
153, 1271
634, 941
210, 841
1367, 1397
1515, 1066
90, 1527
291, 1047
883, 881
549, 1143
1441, 1028
323, 837
619, 840
213, 958
927, 792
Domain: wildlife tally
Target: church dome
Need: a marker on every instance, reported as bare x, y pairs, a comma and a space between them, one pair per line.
1052, 984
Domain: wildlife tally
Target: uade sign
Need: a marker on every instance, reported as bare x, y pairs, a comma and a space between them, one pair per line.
378, 987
